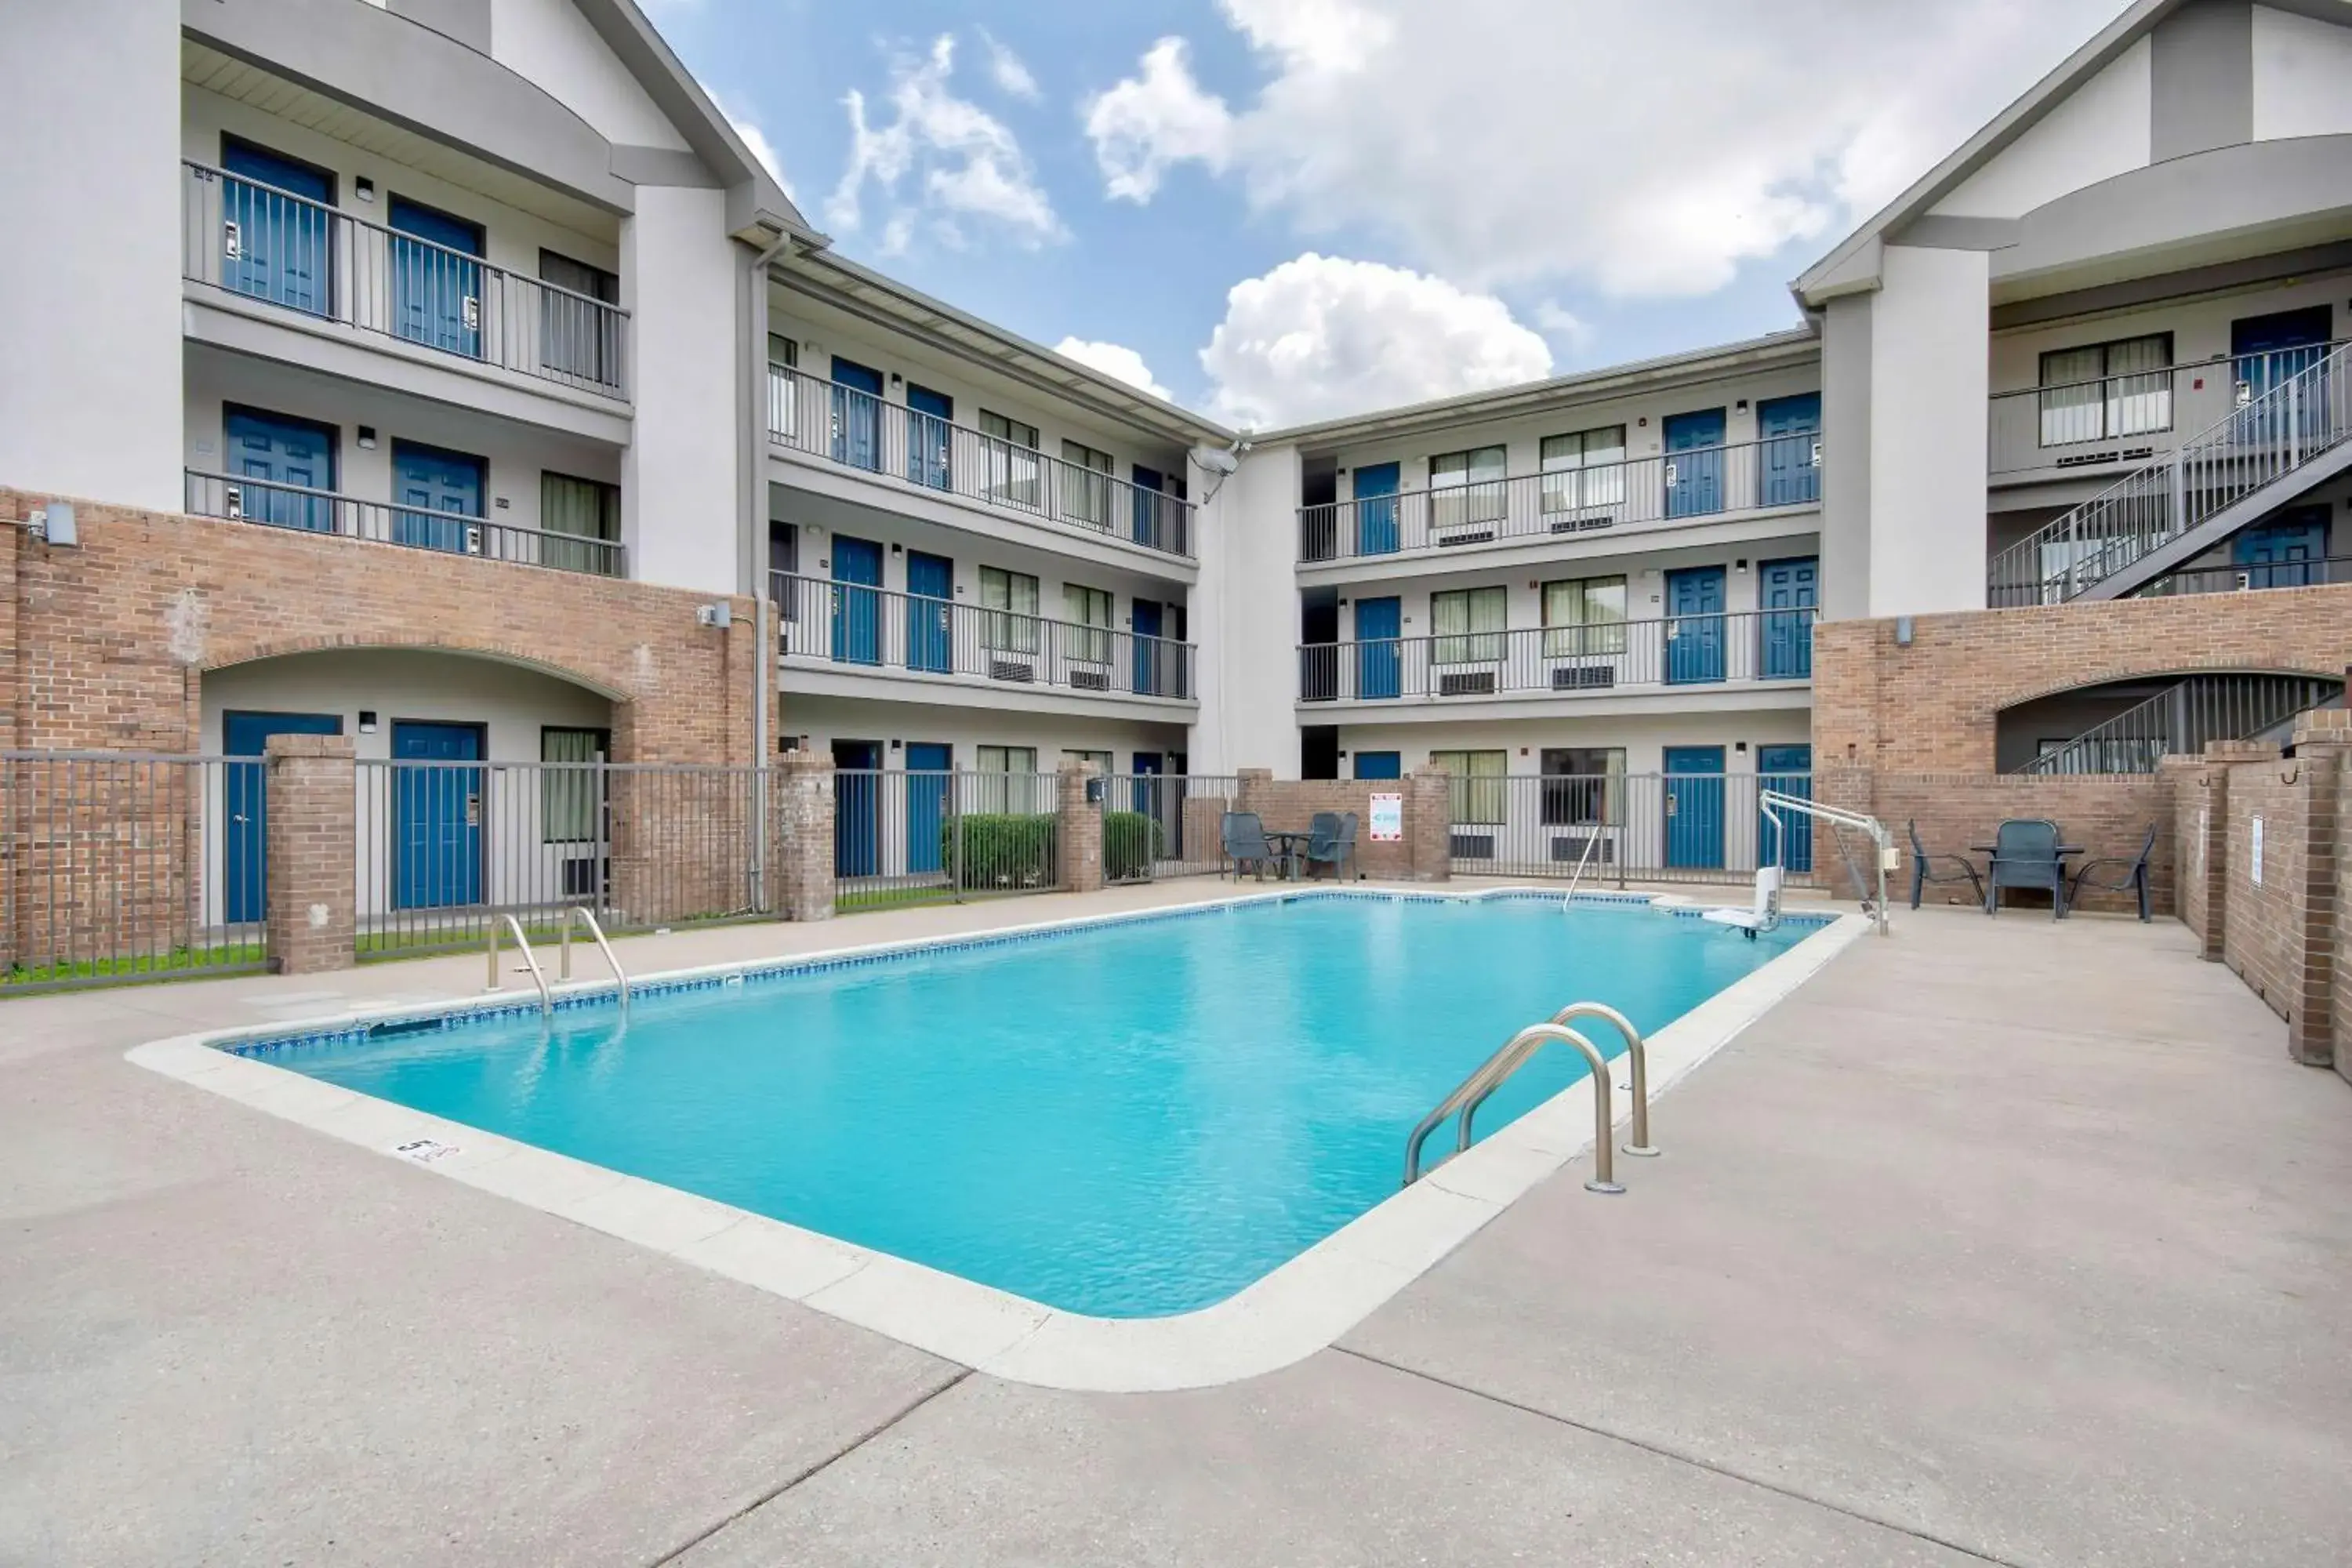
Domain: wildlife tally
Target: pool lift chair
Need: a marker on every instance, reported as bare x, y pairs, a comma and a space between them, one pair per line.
1871, 886
1764, 915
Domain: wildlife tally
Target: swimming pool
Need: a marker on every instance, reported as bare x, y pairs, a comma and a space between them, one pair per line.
1128, 1119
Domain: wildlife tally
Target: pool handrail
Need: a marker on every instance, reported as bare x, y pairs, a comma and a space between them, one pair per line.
1590, 841
522, 944
1500, 1066
1636, 1052
581, 914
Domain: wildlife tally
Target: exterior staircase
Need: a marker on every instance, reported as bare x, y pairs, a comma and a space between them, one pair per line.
2194, 710
2175, 507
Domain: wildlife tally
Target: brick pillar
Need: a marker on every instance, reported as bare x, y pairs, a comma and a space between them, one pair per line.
2201, 837
2321, 741
1429, 824
800, 839
1077, 831
1249, 788
312, 792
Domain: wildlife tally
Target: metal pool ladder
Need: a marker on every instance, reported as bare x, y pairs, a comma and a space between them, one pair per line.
1472, 1092
582, 915
522, 946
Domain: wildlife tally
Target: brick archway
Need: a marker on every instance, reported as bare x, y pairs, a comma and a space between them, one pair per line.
456, 647
2166, 672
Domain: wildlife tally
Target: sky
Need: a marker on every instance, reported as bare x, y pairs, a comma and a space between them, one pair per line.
1276, 211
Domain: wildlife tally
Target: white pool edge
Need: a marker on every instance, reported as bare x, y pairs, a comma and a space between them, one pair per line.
1299, 1307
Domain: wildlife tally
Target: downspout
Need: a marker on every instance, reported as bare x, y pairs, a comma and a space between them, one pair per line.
755, 510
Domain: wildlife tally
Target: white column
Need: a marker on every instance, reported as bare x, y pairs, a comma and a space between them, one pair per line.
1928, 387
1244, 615
679, 480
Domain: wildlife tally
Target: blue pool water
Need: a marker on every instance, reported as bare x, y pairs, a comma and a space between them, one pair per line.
1128, 1120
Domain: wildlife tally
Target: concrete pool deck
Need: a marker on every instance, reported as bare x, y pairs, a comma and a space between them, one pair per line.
1999, 1241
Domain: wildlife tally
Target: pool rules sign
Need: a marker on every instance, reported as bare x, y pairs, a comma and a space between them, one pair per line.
1387, 826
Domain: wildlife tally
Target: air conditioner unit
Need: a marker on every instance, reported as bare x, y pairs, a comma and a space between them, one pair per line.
1007, 669
1572, 849
1469, 683
1584, 524
1584, 677
1473, 847
1090, 680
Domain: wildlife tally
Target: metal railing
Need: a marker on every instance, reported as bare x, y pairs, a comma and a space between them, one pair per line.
1682, 650
850, 626
1623, 827
1697, 483
2182, 719
307, 511
1157, 825
271, 245
859, 430
2253, 576
2129, 417
1517, 1052
118, 867
904, 838
2308, 413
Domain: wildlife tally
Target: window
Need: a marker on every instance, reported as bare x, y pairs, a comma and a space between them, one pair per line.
1012, 459
784, 389
1008, 759
1477, 787
1090, 608
1008, 600
571, 796
1085, 484
1584, 786
2122, 388
1469, 626
1101, 761
578, 336
1584, 474
1584, 616
585, 509
1010, 781
1466, 488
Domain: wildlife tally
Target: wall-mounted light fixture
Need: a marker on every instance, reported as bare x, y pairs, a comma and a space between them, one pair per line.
1903, 631
365, 436
54, 524
718, 616
363, 188
367, 720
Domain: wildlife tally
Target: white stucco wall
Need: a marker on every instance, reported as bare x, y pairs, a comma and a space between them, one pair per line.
2303, 75
89, 291
680, 277
552, 43
2100, 131
1247, 618
818, 721
1928, 385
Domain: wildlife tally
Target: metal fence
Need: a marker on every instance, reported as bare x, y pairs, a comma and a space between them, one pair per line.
108, 872
2183, 718
860, 430
918, 837
1157, 825
300, 254
309, 510
1683, 650
1649, 827
852, 626
445, 848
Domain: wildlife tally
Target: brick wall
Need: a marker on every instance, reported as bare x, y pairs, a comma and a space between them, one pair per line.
1934, 706
2264, 919
312, 854
1424, 855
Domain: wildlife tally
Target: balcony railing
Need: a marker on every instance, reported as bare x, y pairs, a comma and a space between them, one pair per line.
1697, 483
307, 511
2129, 418
1753, 645
859, 430
850, 626
2253, 575
302, 256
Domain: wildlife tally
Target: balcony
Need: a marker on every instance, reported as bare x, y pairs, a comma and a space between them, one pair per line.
2044, 432
1747, 647
306, 511
1702, 483
318, 262
861, 431
858, 629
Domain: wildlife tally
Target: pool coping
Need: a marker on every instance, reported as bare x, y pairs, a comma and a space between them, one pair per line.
1300, 1307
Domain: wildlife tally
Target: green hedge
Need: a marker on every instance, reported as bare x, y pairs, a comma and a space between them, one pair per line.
1001, 851
1132, 840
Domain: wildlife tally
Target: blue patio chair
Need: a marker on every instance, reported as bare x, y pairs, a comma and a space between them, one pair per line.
1332, 841
1245, 844
2133, 878
2025, 855
1924, 872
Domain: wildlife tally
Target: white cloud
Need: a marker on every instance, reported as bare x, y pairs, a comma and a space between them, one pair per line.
1008, 71
1159, 117
754, 138
1563, 326
1321, 336
1644, 150
943, 164
1114, 360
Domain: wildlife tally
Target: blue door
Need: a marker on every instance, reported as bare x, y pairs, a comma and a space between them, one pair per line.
437, 811
1789, 591
1378, 655
1149, 483
434, 481
856, 414
1694, 625
244, 836
1791, 428
857, 808
928, 771
1379, 764
1694, 807
1695, 463
857, 607
2272, 350
1150, 679
1376, 510
278, 235
929, 416
2289, 554
930, 610
1789, 770
272, 450
437, 279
